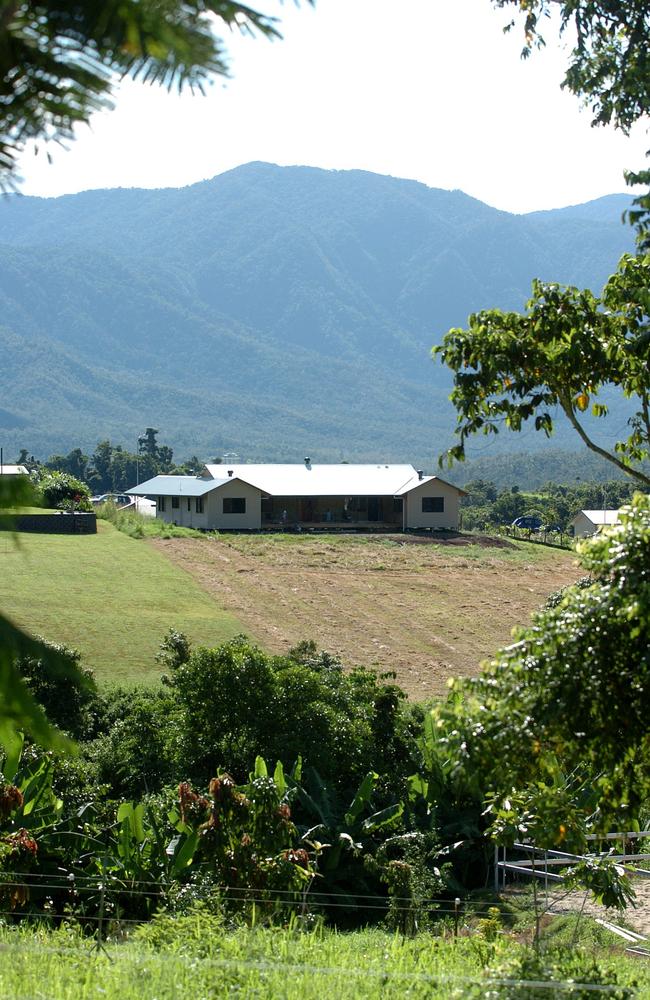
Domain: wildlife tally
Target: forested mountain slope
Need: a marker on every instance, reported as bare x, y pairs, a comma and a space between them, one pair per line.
275, 311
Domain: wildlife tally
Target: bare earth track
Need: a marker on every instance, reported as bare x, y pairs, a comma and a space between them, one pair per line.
426, 608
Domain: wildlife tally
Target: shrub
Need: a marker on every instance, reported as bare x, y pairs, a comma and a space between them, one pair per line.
60, 489
135, 753
236, 702
69, 697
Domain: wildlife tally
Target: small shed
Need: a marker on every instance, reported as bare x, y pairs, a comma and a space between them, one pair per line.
588, 522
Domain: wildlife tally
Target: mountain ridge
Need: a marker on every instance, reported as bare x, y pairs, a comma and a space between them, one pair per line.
267, 310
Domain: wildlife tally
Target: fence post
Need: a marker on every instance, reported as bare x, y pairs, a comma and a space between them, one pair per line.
496, 869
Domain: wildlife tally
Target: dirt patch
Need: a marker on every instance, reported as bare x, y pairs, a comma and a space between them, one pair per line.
637, 916
457, 541
428, 608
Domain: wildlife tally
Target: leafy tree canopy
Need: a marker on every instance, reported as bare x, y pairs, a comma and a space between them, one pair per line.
568, 345
609, 65
555, 728
60, 58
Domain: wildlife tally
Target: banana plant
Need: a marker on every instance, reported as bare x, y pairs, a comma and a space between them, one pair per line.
344, 837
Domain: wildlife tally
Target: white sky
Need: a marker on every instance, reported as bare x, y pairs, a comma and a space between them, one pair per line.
426, 89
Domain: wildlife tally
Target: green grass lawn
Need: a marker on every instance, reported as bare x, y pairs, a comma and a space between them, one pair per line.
107, 595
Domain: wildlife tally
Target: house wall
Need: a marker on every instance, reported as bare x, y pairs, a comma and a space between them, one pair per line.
582, 526
415, 517
213, 505
181, 515
213, 517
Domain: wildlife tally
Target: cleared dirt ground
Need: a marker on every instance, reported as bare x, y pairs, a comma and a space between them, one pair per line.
427, 608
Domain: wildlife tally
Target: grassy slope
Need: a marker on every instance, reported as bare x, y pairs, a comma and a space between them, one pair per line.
107, 595
426, 608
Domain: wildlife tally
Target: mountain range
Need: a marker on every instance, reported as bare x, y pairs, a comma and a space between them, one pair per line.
272, 311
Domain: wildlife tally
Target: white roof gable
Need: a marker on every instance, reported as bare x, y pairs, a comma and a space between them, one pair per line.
300, 479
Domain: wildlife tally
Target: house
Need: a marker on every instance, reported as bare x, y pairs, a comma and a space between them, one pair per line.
588, 522
305, 495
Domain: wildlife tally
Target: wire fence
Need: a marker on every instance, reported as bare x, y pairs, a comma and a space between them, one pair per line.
118, 887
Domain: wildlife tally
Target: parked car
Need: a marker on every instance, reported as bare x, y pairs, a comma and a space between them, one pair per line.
529, 521
119, 499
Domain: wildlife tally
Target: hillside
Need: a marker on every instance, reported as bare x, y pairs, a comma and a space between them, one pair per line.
115, 610
274, 311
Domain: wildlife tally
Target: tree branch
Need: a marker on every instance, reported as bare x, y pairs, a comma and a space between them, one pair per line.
627, 469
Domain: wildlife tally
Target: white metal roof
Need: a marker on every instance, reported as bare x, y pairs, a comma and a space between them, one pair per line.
13, 470
175, 486
601, 516
317, 480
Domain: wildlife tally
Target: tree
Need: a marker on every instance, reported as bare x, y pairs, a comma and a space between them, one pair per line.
147, 444
59, 58
100, 476
569, 697
566, 348
609, 66
75, 463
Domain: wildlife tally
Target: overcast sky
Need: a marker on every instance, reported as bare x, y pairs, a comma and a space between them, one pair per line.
426, 89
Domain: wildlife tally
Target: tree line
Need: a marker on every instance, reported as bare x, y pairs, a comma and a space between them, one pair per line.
111, 468
486, 507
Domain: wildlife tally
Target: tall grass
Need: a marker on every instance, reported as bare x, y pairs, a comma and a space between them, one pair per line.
194, 956
136, 525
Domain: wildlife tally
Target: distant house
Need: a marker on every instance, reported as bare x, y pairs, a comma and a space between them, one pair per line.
588, 522
305, 495
13, 470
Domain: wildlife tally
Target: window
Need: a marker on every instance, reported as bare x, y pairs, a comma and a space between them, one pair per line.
433, 505
398, 505
189, 505
176, 502
234, 505
161, 504
199, 505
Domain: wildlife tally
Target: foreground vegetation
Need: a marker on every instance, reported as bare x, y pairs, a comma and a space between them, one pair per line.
197, 956
262, 792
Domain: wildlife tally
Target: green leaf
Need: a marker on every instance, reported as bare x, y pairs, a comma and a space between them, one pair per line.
18, 709
362, 798
383, 818
12, 744
183, 857
279, 779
